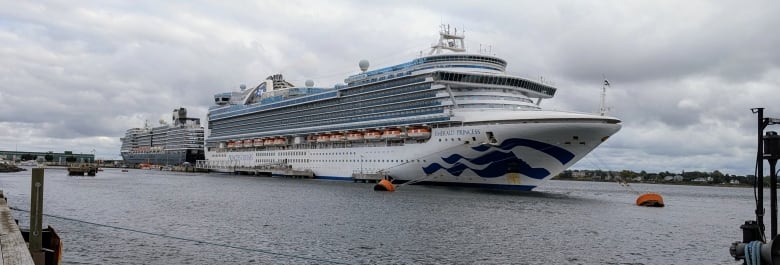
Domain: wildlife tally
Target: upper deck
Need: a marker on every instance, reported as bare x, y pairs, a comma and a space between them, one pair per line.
466, 61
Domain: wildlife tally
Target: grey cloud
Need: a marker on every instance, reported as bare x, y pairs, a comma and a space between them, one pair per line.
684, 74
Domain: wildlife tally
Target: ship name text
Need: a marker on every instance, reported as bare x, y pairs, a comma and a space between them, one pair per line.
457, 132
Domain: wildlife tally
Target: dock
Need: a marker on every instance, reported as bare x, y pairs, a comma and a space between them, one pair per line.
271, 171
368, 177
12, 245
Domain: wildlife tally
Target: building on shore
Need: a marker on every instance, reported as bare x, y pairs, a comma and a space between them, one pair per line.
64, 157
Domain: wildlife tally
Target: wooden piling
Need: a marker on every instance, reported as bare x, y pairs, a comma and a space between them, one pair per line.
36, 216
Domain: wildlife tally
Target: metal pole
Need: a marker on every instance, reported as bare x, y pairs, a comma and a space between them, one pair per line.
760, 172
36, 216
773, 196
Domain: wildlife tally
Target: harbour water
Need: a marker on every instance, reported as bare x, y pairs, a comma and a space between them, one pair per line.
161, 217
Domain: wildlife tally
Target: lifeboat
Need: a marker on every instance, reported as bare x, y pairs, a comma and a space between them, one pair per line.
372, 135
238, 144
248, 143
231, 144
280, 141
258, 142
311, 138
268, 142
419, 132
391, 134
354, 136
337, 137
323, 138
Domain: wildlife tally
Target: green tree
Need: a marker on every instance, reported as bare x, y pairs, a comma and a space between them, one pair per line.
627, 174
49, 157
70, 159
718, 177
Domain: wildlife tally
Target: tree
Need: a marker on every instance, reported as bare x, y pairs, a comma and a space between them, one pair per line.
49, 157
70, 159
718, 177
627, 174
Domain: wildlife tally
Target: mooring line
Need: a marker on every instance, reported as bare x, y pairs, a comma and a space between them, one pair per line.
189, 239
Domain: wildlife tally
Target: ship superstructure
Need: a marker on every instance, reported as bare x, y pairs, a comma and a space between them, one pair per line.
445, 118
168, 144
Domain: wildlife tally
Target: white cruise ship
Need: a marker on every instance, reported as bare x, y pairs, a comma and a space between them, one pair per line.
167, 144
448, 118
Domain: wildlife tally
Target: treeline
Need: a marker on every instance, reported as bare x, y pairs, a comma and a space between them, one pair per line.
714, 177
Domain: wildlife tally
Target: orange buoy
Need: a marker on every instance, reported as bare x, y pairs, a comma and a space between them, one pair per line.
384, 185
650, 200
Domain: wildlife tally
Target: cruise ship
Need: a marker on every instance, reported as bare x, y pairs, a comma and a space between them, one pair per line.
168, 144
446, 118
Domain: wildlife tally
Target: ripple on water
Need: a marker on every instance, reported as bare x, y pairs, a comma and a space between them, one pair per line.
257, 220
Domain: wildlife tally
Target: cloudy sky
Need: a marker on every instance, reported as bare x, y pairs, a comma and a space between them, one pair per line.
74, 75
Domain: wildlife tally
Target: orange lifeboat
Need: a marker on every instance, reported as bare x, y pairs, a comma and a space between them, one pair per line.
650, 200
238, 144
419, 132
231, 144
323, 138
372, 135
280, 141
258, 142
337, 137
354, 136
268, 141
311, 138
248, 143
391, 134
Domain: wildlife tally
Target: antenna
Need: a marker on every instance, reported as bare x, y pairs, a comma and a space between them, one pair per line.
603, 108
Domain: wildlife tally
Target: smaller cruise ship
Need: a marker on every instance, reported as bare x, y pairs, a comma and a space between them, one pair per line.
168, 144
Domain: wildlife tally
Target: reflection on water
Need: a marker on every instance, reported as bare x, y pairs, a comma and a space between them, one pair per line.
245, 220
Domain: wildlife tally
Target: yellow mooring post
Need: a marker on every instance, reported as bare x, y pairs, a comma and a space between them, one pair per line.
36, 217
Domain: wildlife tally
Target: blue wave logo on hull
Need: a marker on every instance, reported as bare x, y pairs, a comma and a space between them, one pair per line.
500, 163
558, 153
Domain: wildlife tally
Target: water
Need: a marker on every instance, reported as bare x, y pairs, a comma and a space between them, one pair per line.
256, 220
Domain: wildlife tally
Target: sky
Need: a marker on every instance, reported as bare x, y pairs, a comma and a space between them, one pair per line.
75, 75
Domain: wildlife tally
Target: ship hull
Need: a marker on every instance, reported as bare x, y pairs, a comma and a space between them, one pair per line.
163, 158
516, 156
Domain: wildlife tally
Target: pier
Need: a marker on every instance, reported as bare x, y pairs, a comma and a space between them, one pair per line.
12, 245
270, 170
273, 172
368, 177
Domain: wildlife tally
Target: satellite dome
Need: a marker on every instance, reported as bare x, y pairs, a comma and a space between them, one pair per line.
309, 83
363, 65
242, 86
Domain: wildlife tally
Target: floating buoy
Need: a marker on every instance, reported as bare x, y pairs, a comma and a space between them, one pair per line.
384, 185
650, 200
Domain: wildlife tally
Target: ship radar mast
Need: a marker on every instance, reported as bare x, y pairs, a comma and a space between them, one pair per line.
448, 41
603, 107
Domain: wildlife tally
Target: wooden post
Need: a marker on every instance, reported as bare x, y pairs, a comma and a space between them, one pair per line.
36, 217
